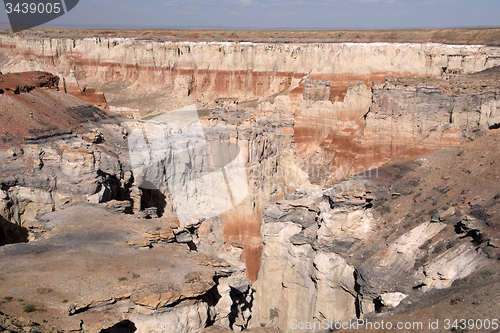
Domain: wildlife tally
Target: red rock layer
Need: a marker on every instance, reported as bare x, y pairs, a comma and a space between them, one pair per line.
243, 226
31, 106
339, 83
27, 81
92, 96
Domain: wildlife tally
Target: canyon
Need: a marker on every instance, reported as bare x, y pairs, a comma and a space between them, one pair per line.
371, 173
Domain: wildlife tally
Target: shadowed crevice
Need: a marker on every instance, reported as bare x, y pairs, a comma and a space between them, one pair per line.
11, 233
124, 326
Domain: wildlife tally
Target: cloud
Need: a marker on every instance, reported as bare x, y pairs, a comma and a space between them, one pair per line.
172, 3
292, 3
354, 2
209, 2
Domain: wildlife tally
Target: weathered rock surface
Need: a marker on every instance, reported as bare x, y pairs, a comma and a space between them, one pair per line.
90, 95
48, 175
33, 109
99, 269
341, 120
52, 152
91, 162
298, 113
379, 240
398, 118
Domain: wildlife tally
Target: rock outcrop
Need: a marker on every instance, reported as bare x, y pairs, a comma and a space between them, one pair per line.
379, 239
339, 127
418, 115
96, 270
297, 114
90, 95
43, 177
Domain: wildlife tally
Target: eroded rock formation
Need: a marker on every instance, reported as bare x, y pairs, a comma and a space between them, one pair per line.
87, 160
340, 118
299, 114
376, 240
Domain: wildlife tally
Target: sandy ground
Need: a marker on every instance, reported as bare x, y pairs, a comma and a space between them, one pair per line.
485, 36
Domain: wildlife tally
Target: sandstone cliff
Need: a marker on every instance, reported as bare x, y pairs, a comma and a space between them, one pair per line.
83, 157
379, 239
299, 114
327, 87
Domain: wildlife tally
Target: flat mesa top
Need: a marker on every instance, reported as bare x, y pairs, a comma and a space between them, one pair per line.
466, 36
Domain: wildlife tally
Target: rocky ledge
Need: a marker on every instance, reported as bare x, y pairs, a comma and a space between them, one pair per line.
91, 271
383, 239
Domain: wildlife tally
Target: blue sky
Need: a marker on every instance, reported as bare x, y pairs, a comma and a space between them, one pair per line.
288, 14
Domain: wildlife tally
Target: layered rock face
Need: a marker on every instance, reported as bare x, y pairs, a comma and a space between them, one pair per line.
418, 115
298, 113
50, 152
240, 70
379, 239
266, 152
84, 156
339, 128
90, 95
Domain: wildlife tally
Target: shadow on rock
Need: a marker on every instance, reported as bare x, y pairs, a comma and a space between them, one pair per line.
125, 326
11, 233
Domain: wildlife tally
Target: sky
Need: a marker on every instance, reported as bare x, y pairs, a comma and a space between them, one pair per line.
281, 14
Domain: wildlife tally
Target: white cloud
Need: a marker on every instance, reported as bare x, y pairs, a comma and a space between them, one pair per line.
209, 2
292, 3
172, 3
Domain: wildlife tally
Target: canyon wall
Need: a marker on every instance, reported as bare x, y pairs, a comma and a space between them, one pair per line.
300, 114
338, 128
80, 154
379, 239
